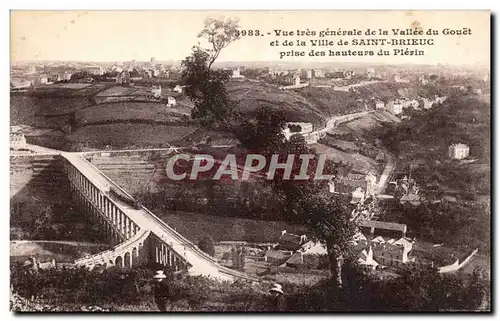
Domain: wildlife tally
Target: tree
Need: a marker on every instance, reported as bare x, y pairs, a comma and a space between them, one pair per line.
204, 85
329, 217
207, 245
332, 225
219, 33
264, 132
43, 219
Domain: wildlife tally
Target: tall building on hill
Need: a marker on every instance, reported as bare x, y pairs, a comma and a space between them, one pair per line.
236, 73
458, 151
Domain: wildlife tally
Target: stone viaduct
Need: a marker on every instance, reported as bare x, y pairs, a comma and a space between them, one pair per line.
137, 235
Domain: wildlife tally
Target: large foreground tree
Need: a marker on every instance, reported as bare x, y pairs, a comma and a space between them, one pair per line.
305, 202
205, 86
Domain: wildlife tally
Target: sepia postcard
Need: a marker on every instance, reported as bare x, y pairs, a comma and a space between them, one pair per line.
250, 161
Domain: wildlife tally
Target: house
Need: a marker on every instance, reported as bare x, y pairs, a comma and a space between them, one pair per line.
67, 76
410, 199
171, 101
346, 74
423, 80
379, 104
177, 89
313, 255
392, 253
457, 265
440, 99
346, 185
156, 91
123, 78
371, 180
370, 73
358, 195
55, 78
458, 151
291, 242
43, 79
293, 128
297, 80
313, 137
426, 103
317, 73
413, 103
407, 185
94, 70
395, 106
359, 187
365, 257
358, 238
17, 141
118, 69
398, 78
389, 252
236, 74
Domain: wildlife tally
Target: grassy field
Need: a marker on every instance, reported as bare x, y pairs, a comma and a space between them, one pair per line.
117, 91
388, 90
332, 102
69, 85
113, 123
129, 135
340, 144
196, 226
366, 125
46, 251
132, 111
253, 95
361, 164
91, 90
69, 90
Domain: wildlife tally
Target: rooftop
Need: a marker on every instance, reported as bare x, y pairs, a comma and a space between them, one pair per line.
384, 225
459, 145
291, 238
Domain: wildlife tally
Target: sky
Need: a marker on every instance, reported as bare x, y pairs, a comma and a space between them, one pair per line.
102, 36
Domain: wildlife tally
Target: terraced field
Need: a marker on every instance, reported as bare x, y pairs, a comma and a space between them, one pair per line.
129, 135
252, 95
131, 112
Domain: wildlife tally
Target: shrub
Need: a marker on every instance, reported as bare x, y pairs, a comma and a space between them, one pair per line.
207, 245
